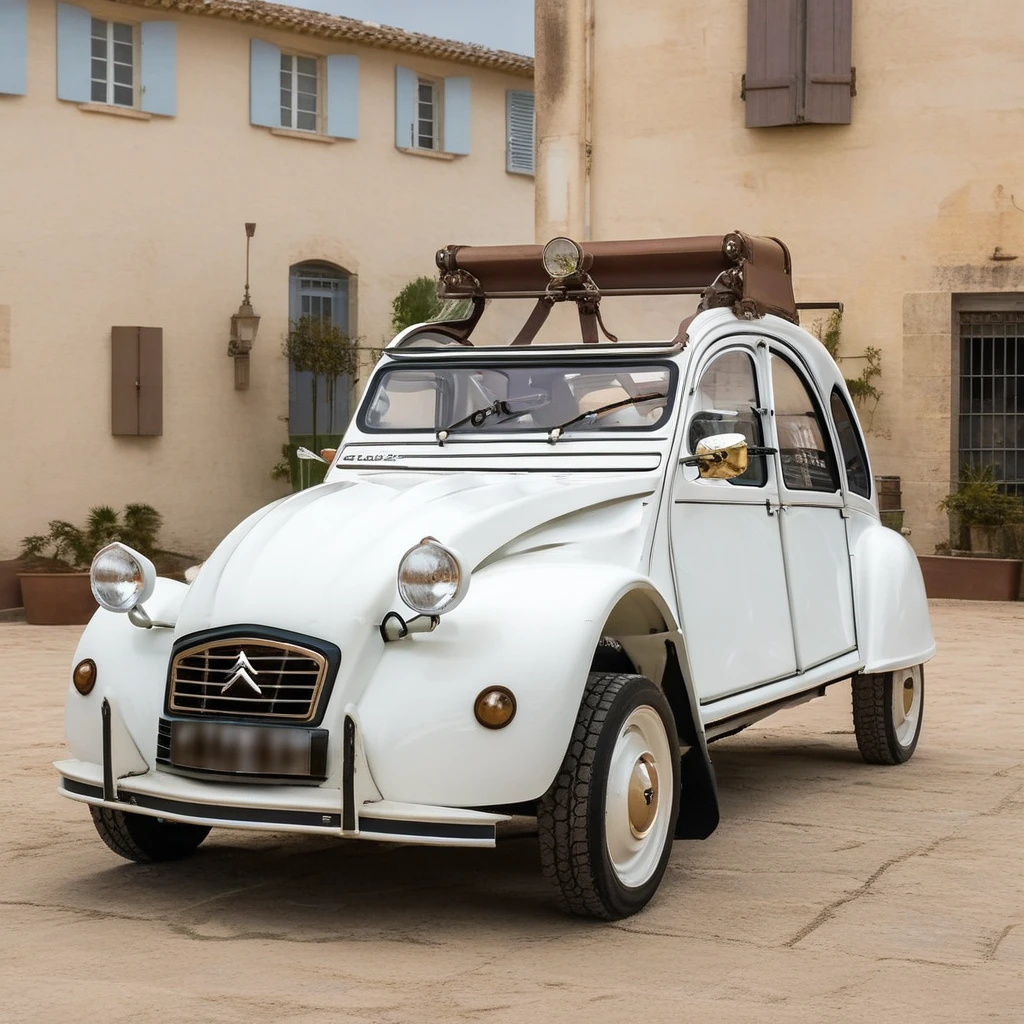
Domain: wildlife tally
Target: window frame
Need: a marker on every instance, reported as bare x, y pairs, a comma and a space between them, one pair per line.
320, 114
807, 380
436, 86
858, 439
523, 432
752, 359
109, 83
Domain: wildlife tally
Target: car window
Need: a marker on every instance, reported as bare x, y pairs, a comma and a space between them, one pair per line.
726, 400
855, 458
808, 463
517, 398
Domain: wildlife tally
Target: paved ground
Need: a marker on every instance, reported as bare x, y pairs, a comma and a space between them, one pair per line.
833, 891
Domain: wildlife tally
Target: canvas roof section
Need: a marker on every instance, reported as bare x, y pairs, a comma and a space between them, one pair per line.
352, 30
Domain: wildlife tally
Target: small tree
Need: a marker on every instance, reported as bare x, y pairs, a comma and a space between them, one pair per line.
416, 303
69, 547
322, 349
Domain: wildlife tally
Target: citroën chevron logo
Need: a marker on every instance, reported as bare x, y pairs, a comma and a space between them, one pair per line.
242, 672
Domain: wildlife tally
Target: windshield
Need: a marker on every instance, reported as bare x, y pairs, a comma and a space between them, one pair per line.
465, 399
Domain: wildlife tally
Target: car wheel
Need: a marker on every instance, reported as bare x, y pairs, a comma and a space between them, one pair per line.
888, 709
607, 823
143, 839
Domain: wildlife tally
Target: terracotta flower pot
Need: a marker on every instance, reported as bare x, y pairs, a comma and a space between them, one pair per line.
57, 598
971, 579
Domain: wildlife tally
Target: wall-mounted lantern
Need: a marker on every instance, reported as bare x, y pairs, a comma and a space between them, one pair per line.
244, 325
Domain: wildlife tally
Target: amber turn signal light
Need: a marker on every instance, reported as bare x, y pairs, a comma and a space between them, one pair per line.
84, 676
495, 707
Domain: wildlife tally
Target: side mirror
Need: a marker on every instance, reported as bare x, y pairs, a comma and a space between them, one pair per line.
720, 457
327, 454
307, 456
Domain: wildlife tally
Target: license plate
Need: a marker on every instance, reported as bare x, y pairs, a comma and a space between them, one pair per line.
247, 749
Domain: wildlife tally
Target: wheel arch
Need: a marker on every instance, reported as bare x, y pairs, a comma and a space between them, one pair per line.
643, 626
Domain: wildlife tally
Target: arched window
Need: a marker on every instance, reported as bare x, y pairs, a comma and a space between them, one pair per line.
319, 291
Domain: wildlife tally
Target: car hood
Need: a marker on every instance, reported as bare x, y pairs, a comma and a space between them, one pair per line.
330, 553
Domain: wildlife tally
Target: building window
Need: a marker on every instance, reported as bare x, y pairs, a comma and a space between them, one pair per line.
299, 92
428, 133
992, 396
113, 63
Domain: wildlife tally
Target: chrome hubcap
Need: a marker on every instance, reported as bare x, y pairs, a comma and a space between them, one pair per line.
636, 821
643, 795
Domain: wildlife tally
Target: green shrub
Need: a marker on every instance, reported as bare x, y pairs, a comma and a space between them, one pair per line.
70, 548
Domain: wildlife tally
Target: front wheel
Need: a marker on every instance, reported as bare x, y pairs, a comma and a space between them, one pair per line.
888, 708
607, 823
143, 839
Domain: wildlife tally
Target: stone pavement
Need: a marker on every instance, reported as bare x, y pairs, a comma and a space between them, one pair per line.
833, 891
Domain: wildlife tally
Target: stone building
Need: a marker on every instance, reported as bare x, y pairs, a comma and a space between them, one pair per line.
138, 139
883, 142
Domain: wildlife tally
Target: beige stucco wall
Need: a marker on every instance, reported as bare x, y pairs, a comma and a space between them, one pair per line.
892, 215
109, 220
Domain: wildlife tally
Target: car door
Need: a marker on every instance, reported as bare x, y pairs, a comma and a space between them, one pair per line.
725, 539
812, 516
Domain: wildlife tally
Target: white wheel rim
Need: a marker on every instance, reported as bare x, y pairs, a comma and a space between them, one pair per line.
907, 697
637, 804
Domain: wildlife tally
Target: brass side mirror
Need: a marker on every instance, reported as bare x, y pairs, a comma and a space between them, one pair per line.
720, 457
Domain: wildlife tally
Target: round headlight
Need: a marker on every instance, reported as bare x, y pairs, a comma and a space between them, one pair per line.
121, 578
431, 578
562, 258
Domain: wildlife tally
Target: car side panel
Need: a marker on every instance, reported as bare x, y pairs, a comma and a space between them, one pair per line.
893, 628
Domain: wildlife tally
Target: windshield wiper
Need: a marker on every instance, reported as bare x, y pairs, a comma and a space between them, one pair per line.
476, 417
556, 432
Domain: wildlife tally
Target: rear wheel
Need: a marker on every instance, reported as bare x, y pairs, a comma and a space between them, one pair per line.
144, 839
888, 709
607, 823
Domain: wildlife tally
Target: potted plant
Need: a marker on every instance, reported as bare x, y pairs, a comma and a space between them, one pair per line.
984, 510
55, 579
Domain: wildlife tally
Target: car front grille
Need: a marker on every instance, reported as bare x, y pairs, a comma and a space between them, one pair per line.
247, 677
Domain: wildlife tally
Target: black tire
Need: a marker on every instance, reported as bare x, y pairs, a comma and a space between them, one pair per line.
571, 815
874, 721
143, 839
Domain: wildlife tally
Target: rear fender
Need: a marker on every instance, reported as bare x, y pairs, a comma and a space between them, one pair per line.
893, 627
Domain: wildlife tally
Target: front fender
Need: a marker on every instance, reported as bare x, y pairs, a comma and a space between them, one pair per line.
893, 627
527, 624
131, 671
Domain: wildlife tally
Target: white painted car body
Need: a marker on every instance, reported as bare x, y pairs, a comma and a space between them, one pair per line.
762, 596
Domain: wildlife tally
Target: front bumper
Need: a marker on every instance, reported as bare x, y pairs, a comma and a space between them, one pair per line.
313, 810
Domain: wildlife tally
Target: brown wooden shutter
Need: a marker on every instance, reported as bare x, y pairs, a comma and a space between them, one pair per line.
124, 390
828, 76
771, 84
151, 381
136, 392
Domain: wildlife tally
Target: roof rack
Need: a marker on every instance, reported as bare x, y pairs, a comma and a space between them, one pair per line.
751, 275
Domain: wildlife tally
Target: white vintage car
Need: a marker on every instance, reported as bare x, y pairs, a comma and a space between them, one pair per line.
537, 579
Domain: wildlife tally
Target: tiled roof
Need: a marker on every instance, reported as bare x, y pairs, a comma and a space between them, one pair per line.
333, 26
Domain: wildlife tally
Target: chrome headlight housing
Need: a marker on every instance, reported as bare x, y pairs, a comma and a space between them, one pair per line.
121, 578
432, 579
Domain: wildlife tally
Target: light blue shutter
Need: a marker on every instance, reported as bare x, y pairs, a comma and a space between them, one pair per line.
343, 96
13, 46
519, 131
456, 116
159, 67
74, 27
405, 107
264, 84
